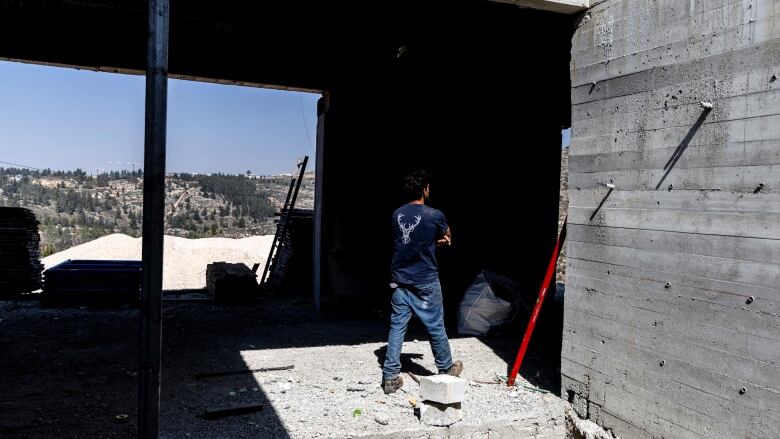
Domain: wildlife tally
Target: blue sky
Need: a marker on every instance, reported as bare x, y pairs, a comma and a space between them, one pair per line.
65, 119
62, 118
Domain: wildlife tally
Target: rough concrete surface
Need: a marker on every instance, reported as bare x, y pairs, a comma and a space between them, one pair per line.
672, 312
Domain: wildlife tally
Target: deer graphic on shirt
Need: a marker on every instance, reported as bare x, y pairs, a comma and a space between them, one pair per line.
407, 229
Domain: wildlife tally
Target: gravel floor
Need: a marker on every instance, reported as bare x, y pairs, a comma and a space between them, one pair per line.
184, 260
321, 397
69, 372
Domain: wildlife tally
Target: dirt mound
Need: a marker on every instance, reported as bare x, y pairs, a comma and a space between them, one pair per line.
184, 259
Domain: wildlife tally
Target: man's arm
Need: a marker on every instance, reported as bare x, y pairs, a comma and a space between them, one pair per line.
446, 239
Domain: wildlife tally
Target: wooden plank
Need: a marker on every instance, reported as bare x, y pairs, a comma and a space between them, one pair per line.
241, 372
742, 224
223, 412
723, 292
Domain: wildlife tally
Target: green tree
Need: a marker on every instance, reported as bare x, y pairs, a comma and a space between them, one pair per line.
47, 249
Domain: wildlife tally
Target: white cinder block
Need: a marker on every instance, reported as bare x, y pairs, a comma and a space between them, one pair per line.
440, 415
444, 389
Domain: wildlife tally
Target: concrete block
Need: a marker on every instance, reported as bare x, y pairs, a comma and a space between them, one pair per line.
444, 389
440, 415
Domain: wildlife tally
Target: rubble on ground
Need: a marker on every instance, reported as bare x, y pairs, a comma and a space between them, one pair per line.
333, 390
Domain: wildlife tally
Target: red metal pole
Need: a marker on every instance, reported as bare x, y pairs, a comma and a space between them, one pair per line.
535, 314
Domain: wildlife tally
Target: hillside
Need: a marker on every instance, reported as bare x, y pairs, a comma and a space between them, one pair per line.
75, 208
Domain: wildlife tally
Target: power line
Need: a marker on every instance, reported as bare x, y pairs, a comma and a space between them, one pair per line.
305, 124
21, 166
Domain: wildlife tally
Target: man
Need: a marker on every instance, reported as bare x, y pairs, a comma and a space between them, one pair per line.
415, 280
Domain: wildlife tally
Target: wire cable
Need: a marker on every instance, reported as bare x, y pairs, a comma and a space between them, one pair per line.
305, 124
21, 166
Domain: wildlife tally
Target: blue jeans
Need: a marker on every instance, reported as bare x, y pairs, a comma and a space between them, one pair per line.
425, 301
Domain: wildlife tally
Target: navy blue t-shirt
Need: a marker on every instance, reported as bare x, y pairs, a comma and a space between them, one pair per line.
417, 227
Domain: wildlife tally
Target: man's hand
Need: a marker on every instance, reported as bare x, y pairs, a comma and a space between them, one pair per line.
445, 240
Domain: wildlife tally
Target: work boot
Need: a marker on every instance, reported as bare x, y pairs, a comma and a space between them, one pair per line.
390, 386
456, 369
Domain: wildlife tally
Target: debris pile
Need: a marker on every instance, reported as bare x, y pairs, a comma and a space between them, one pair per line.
84, 282
230, 283
20, 259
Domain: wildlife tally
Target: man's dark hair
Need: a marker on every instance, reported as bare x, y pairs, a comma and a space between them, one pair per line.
415, 183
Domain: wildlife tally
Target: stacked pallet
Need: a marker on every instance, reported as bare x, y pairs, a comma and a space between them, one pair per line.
20, 259
82, 282
291, 271
230, 283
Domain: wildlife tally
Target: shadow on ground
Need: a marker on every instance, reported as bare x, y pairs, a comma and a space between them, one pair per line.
70, 372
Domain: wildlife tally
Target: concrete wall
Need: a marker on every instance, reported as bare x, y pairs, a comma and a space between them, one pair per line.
672, 315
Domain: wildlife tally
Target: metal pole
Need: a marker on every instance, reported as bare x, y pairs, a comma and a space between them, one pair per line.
529, 330
153, 220
319, 207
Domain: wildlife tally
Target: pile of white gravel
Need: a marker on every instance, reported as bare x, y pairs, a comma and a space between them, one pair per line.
185, 260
